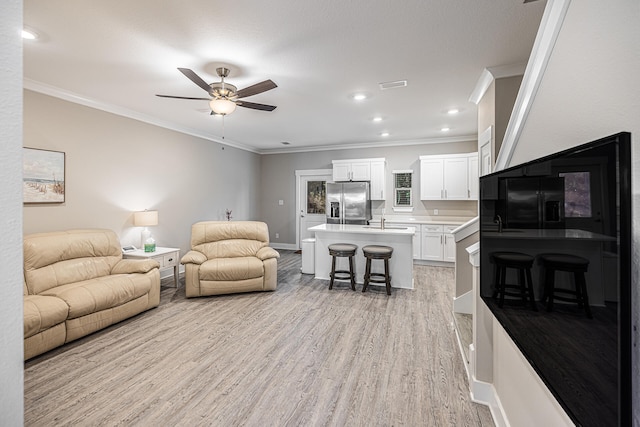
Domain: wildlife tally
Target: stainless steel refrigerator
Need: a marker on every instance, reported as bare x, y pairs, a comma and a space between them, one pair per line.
348, 203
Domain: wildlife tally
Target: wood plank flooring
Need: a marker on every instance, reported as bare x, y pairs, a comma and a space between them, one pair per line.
299, 356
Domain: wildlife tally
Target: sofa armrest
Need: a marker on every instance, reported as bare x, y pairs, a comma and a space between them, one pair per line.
193, 257
130, 266
267, 252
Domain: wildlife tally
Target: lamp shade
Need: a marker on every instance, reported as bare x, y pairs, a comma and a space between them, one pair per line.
222, 106
145, 218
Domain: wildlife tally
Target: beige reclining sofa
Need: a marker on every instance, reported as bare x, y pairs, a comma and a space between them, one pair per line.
76, 282
228, 257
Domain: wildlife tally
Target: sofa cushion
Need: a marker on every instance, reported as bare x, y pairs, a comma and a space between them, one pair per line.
90, 296
224, 269
59, 258
42, 312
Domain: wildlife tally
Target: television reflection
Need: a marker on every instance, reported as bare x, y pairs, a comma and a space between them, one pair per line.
550, 239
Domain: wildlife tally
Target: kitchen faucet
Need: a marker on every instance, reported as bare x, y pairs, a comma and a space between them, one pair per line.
498, 220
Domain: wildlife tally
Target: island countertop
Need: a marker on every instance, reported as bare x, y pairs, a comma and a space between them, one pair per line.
363, 229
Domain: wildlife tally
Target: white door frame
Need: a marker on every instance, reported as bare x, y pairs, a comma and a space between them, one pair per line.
299, 175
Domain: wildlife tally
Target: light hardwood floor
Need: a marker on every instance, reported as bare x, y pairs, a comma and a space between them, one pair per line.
299, 356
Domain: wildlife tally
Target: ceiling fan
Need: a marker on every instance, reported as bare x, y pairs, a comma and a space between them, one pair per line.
224, 97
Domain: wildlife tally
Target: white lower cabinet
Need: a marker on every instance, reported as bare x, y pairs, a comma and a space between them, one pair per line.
432, 242
449, 250
437, 243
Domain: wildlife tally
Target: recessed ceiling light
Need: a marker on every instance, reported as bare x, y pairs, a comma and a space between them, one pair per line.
359, 96
445, 129
377, 119
453, 111
384, 134
29, 34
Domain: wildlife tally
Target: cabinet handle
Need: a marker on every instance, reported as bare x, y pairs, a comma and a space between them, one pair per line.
170, 259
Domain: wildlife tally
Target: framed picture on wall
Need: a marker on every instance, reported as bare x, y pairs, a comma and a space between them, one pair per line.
42, 176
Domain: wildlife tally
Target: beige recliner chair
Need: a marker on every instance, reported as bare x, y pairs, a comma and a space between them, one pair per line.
228, 257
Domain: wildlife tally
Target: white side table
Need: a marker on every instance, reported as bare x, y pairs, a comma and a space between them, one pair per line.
167, 257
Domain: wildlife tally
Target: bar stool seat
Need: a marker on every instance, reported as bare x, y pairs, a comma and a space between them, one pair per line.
523, 264
571, 264
377, 252
342, 250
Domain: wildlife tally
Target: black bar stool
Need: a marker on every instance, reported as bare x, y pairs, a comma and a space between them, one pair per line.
342, 250
523, 264
571, 264
377, 252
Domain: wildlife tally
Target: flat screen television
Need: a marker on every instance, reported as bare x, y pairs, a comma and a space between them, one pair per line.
575, 202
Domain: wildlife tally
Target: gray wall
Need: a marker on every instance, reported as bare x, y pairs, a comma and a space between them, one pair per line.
116, 165
506, 91
11, 319
278, 182
494, 109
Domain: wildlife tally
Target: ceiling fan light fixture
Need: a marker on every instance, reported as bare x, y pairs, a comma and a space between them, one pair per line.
222, 106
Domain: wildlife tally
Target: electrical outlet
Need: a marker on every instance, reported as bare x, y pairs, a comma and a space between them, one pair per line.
435, 211
281, 202
277, 235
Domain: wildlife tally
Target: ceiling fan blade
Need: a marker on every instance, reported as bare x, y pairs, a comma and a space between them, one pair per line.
182, 97
253, 105
256, 89
195, 78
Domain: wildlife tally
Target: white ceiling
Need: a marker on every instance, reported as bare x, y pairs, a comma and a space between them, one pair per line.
117, 54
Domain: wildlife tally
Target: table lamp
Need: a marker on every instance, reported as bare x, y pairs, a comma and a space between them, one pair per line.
146, 219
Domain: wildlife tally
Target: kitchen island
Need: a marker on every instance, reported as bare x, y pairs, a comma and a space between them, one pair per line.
399, 238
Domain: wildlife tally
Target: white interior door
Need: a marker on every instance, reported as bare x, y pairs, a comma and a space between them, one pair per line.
484, 147
312, 191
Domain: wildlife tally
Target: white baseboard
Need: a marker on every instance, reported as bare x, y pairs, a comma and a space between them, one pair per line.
285, 246
484, 394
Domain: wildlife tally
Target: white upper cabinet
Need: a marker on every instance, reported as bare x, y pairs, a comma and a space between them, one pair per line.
456, 181
341, 171
431, 178
473, 176
378, 179
447, 177
352, 170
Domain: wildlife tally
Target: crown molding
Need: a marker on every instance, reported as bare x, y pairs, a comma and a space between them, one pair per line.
490, 74
365, 145
66, 95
